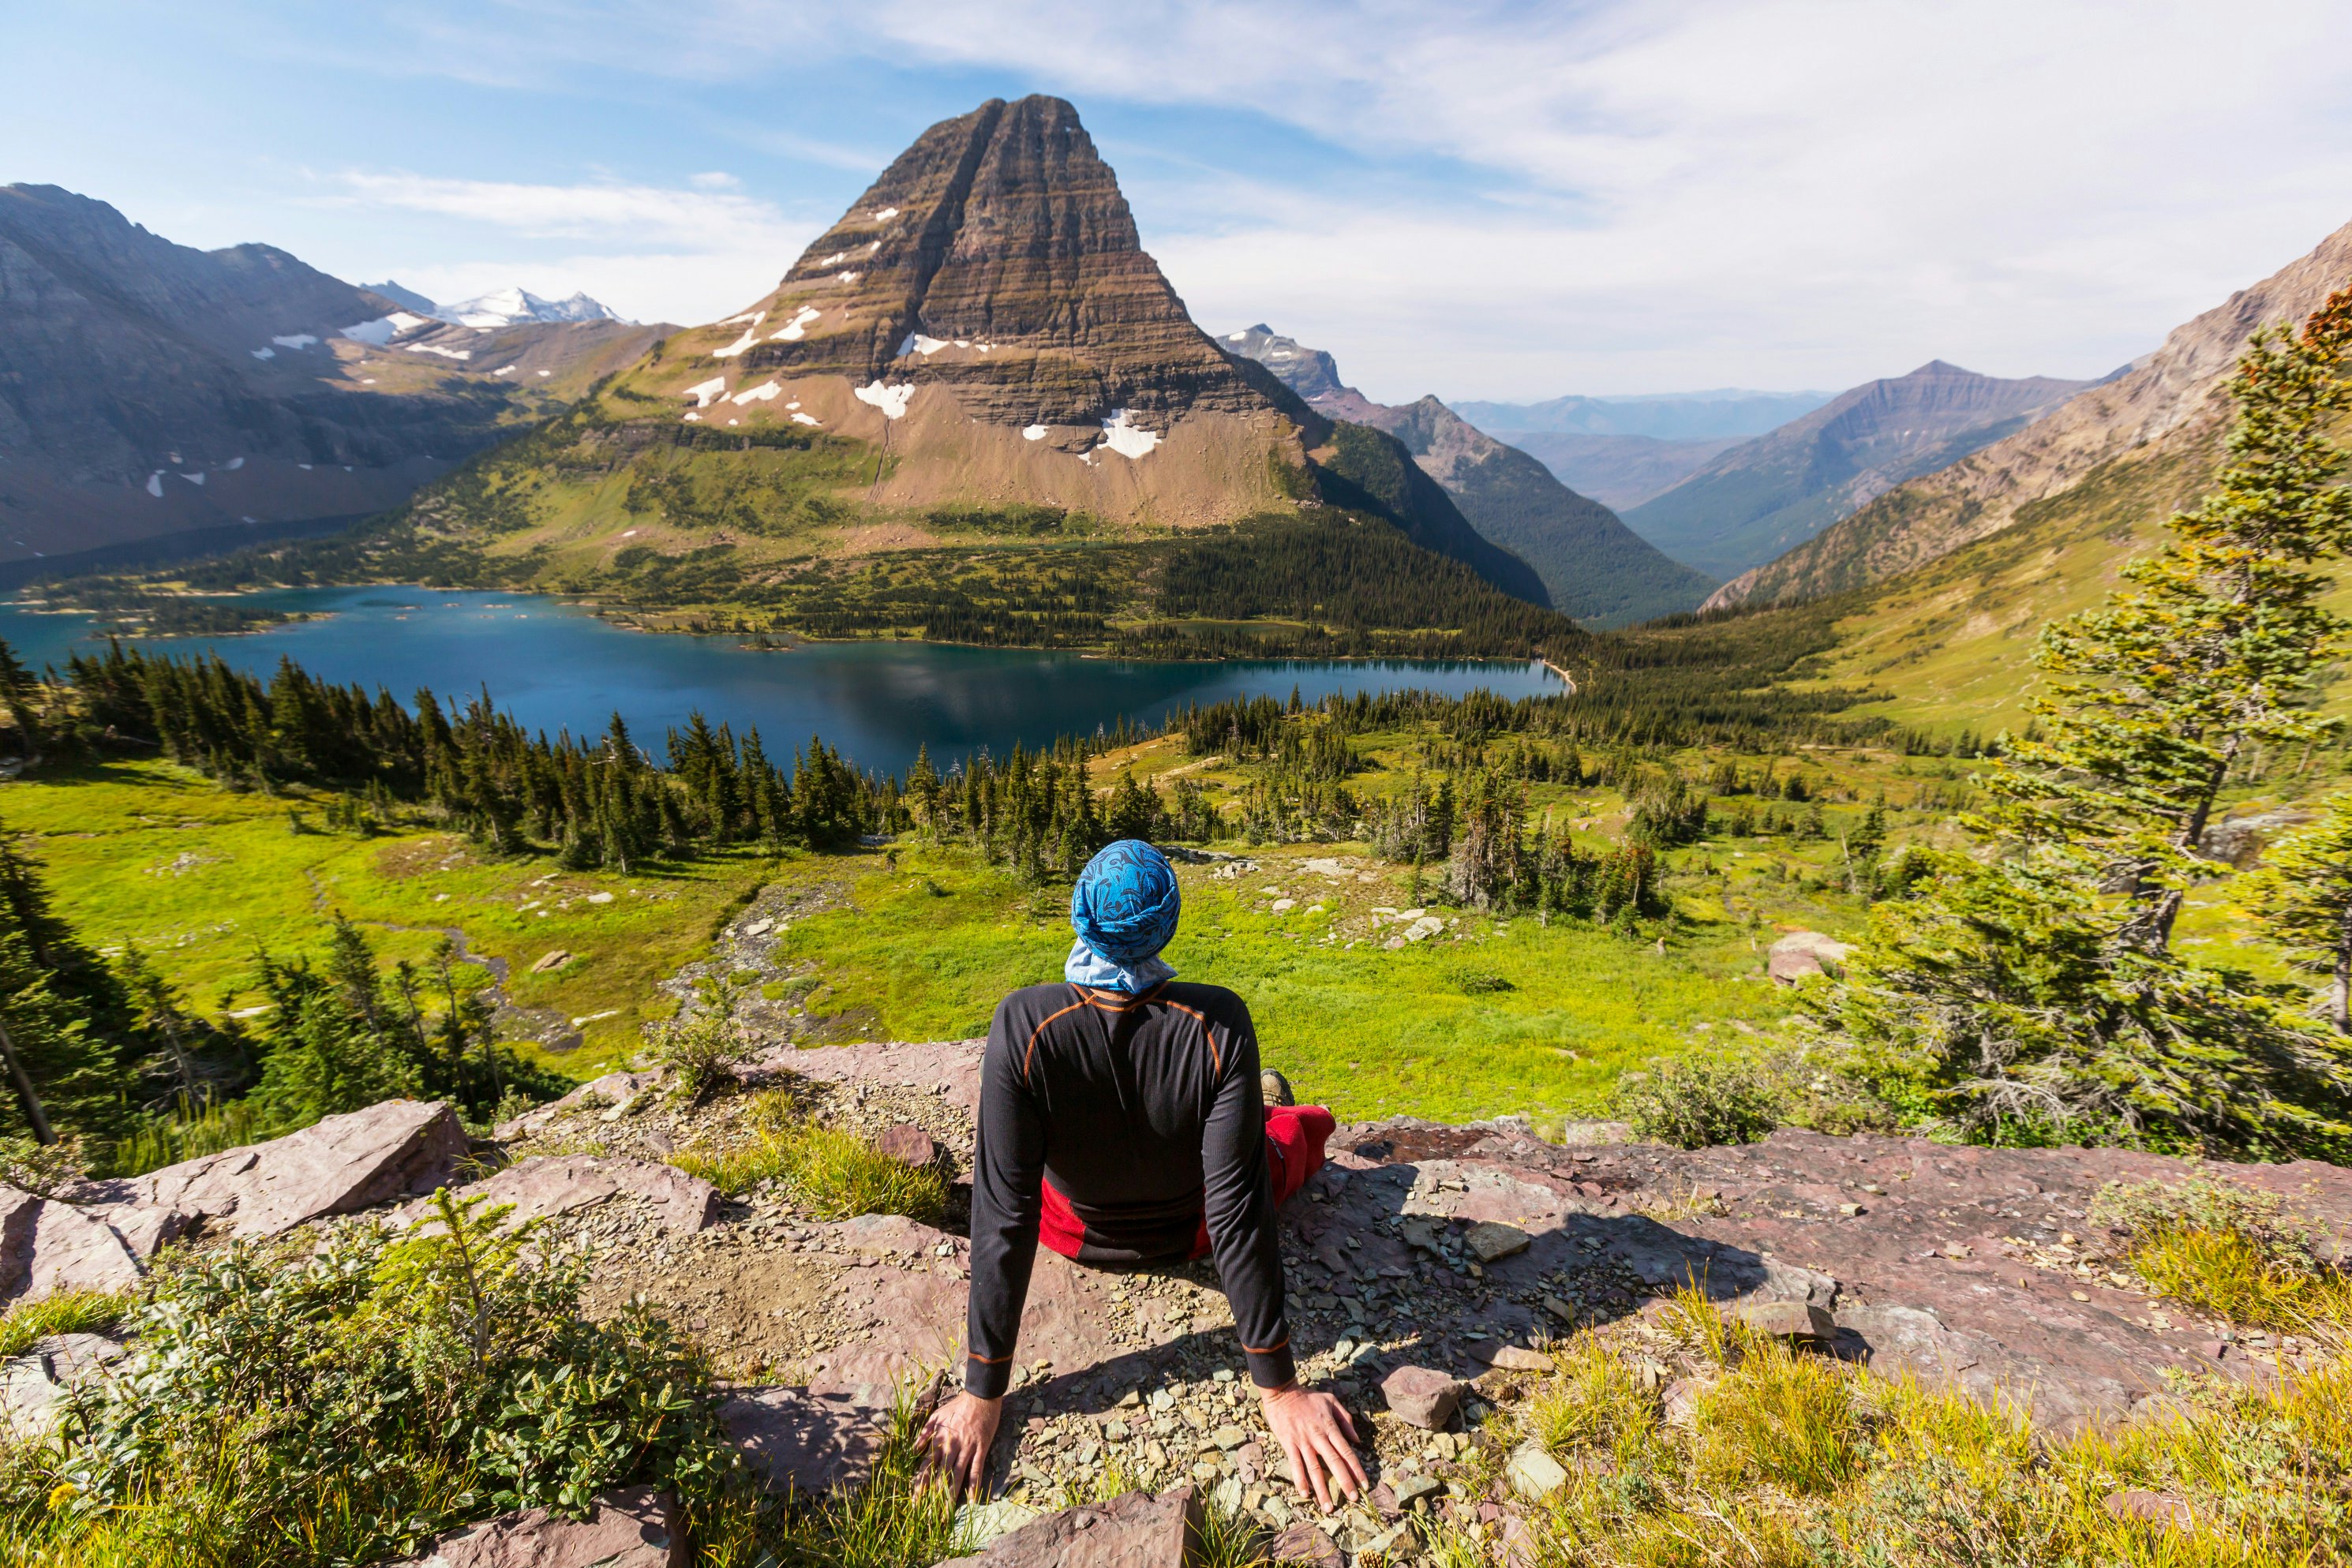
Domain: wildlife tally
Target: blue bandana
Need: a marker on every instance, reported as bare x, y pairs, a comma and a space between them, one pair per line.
1124, 909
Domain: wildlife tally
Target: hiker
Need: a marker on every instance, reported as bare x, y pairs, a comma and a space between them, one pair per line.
1124, 1122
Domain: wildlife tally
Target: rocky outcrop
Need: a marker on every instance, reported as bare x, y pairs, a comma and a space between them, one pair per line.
2171, 404
1801, 954
675, 1203
34, 1385
100, 1236
635, 1528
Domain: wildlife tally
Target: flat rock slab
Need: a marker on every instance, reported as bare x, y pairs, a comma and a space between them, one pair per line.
910, 1290
635, 1528
1949, 1262
952, 1062
815, 1440
1137, 1531
909, 1144
338, 1166
552, 1185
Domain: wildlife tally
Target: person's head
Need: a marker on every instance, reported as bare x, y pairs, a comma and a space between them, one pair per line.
1126, 903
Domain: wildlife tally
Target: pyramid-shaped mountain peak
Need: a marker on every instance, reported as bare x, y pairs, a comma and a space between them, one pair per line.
995, 257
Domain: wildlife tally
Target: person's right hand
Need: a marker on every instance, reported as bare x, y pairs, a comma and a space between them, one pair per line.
1319, 1435
956, 1440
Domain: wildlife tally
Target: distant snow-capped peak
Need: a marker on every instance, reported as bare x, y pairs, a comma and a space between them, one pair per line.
512, 307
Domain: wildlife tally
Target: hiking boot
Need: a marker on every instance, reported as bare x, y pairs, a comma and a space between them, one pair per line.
1274, 1087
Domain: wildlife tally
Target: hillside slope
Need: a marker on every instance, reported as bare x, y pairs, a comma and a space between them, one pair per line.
1620, 472
1591, 566
148, 389
1761, 498
2169, 409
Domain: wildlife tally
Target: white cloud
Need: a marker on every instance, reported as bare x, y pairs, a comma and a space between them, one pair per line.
1622, 196
649, 252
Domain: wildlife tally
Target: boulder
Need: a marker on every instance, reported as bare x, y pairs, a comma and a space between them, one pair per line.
74, 1249
814, 1440
612, 1088
635, 1528
1136, 1531
550, 1185
2240, 841
1422, 1395
1802, 953
909, 1144
554, 959
338, 1166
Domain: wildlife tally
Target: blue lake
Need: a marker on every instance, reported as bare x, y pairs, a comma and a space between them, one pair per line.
555, 666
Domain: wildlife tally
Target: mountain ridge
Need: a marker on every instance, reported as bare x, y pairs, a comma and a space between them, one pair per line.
2170, 406
1594, 569
148, 389
1761, 498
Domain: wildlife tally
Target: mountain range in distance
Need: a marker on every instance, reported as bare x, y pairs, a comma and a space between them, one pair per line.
1595, 567
501, 307
149, 390
1754, 501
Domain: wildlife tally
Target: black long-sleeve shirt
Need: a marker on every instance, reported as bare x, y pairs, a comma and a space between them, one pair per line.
1145, 1113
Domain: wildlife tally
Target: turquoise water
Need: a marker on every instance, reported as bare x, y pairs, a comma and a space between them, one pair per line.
554, 666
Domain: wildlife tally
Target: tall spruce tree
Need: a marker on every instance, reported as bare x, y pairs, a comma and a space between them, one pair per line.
2033, 990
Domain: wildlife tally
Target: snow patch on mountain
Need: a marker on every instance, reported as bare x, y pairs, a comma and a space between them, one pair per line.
891, 400
1129, 439
375, 334
514, 307
791, 331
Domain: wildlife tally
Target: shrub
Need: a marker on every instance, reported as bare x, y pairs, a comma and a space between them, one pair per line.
827, 1172
1699, 1102
2228, 1250
702, 1049
340, 1402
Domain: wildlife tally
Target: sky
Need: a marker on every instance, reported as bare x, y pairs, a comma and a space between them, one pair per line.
1483, 201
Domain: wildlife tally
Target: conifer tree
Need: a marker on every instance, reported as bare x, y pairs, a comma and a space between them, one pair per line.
2033, 990
2303, 896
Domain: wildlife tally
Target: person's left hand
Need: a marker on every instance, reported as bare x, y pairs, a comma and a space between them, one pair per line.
1319, 1435
957, 1438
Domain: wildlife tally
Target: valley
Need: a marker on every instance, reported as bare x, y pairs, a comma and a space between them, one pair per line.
1823, 919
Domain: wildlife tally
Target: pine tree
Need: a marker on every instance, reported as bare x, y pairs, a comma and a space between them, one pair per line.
2033, 991
2303, 896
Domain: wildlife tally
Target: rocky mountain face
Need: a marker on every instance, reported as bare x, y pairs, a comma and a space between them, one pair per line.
1593, 568
996, 258
1765, 495
148, 389
2167, 408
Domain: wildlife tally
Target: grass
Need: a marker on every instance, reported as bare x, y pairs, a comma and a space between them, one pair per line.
66, 1311
830, 1172
200, 877
1786, 1459
2227, 1249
